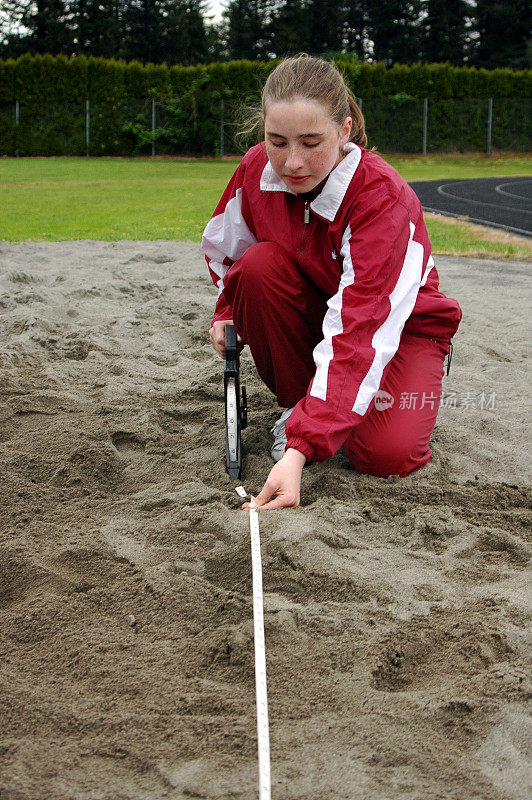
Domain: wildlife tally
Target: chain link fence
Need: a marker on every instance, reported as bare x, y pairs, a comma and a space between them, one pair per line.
400, 124
412, 125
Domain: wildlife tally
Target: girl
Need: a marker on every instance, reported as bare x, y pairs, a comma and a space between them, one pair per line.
322, 261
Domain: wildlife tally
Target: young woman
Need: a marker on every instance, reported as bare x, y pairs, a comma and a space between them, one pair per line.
322, 261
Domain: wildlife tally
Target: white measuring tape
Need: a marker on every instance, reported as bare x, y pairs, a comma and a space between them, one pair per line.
261, 691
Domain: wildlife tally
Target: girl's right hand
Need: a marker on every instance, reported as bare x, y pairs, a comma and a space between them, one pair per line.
217, 336
283, 483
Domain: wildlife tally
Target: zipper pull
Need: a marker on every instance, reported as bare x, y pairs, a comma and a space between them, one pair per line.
307, 213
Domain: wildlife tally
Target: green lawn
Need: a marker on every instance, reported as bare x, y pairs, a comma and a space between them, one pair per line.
55, 199
74, 198
432, 168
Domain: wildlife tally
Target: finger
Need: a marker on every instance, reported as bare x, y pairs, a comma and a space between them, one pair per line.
267, 492
216, 343
248, 506
281, 501
265, 500
213, 340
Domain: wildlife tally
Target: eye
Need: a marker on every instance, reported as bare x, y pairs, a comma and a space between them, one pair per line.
310, 144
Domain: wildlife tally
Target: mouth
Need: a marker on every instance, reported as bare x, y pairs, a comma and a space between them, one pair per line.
297, 178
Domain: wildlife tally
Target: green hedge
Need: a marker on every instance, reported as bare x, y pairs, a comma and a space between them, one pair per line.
436, 81
52, 92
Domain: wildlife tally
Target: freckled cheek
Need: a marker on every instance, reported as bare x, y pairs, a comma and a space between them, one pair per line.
322, 164
277, 160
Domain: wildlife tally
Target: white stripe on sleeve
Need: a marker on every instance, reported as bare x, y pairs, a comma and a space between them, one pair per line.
430, 265
227, 236
218, 269
332, 322
385, 340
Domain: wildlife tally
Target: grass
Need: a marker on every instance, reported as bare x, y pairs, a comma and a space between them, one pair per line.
449, 236
62, 198
54, 199
447, 167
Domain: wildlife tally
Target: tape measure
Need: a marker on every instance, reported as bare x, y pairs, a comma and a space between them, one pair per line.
261, 689
236, 410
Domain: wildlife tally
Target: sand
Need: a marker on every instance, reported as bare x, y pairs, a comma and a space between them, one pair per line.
397, 611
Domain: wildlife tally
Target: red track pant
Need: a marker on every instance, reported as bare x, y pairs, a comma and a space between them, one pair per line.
279, 313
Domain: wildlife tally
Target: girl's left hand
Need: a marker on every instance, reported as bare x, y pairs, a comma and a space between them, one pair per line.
284, 481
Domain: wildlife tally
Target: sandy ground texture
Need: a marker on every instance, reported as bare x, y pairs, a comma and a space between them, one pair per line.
397, 611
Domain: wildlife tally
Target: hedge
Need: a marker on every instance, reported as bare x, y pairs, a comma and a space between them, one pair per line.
52, 92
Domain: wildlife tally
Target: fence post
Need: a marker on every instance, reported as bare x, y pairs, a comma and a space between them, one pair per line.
425, 123
222, 129
153, 127
490, 119
87, 125
17, 118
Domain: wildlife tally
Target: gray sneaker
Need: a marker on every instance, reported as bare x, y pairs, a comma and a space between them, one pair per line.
279, 434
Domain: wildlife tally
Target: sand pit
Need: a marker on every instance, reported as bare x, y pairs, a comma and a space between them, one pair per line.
396, 610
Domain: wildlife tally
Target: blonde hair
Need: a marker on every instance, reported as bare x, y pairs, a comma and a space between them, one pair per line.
309, 78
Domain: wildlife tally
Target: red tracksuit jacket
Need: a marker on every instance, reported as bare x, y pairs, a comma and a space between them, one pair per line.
366, 245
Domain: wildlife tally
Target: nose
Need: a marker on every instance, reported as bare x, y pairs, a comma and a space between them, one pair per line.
293, 160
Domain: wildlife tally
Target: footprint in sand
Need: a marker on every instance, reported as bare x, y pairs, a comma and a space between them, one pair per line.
128, 444
453, 644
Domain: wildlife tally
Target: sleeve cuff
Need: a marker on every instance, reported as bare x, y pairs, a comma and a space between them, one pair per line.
222, 310
303, 447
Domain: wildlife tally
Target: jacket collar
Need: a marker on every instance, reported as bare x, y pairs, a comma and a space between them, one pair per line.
327, 203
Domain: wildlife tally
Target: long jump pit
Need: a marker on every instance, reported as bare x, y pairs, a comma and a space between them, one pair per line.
396, 610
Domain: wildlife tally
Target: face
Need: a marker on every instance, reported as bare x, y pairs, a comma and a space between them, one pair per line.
303, 142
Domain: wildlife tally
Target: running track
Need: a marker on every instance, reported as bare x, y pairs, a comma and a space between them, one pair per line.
497, 202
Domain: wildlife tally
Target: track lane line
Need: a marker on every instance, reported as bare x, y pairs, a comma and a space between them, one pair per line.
500, 190
441, 190
484, 222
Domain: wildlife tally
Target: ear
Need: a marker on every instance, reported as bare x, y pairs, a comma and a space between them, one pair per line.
345, 130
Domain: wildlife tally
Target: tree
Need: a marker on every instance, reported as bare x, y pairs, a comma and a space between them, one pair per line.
96, 27
36, 27
184, 36
326, 26
171, 31
247, 27
290, 28
141, 31
355, 35
395, 30
503, 28
446, 30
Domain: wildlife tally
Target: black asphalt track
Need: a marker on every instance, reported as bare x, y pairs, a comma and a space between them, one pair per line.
497, 202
